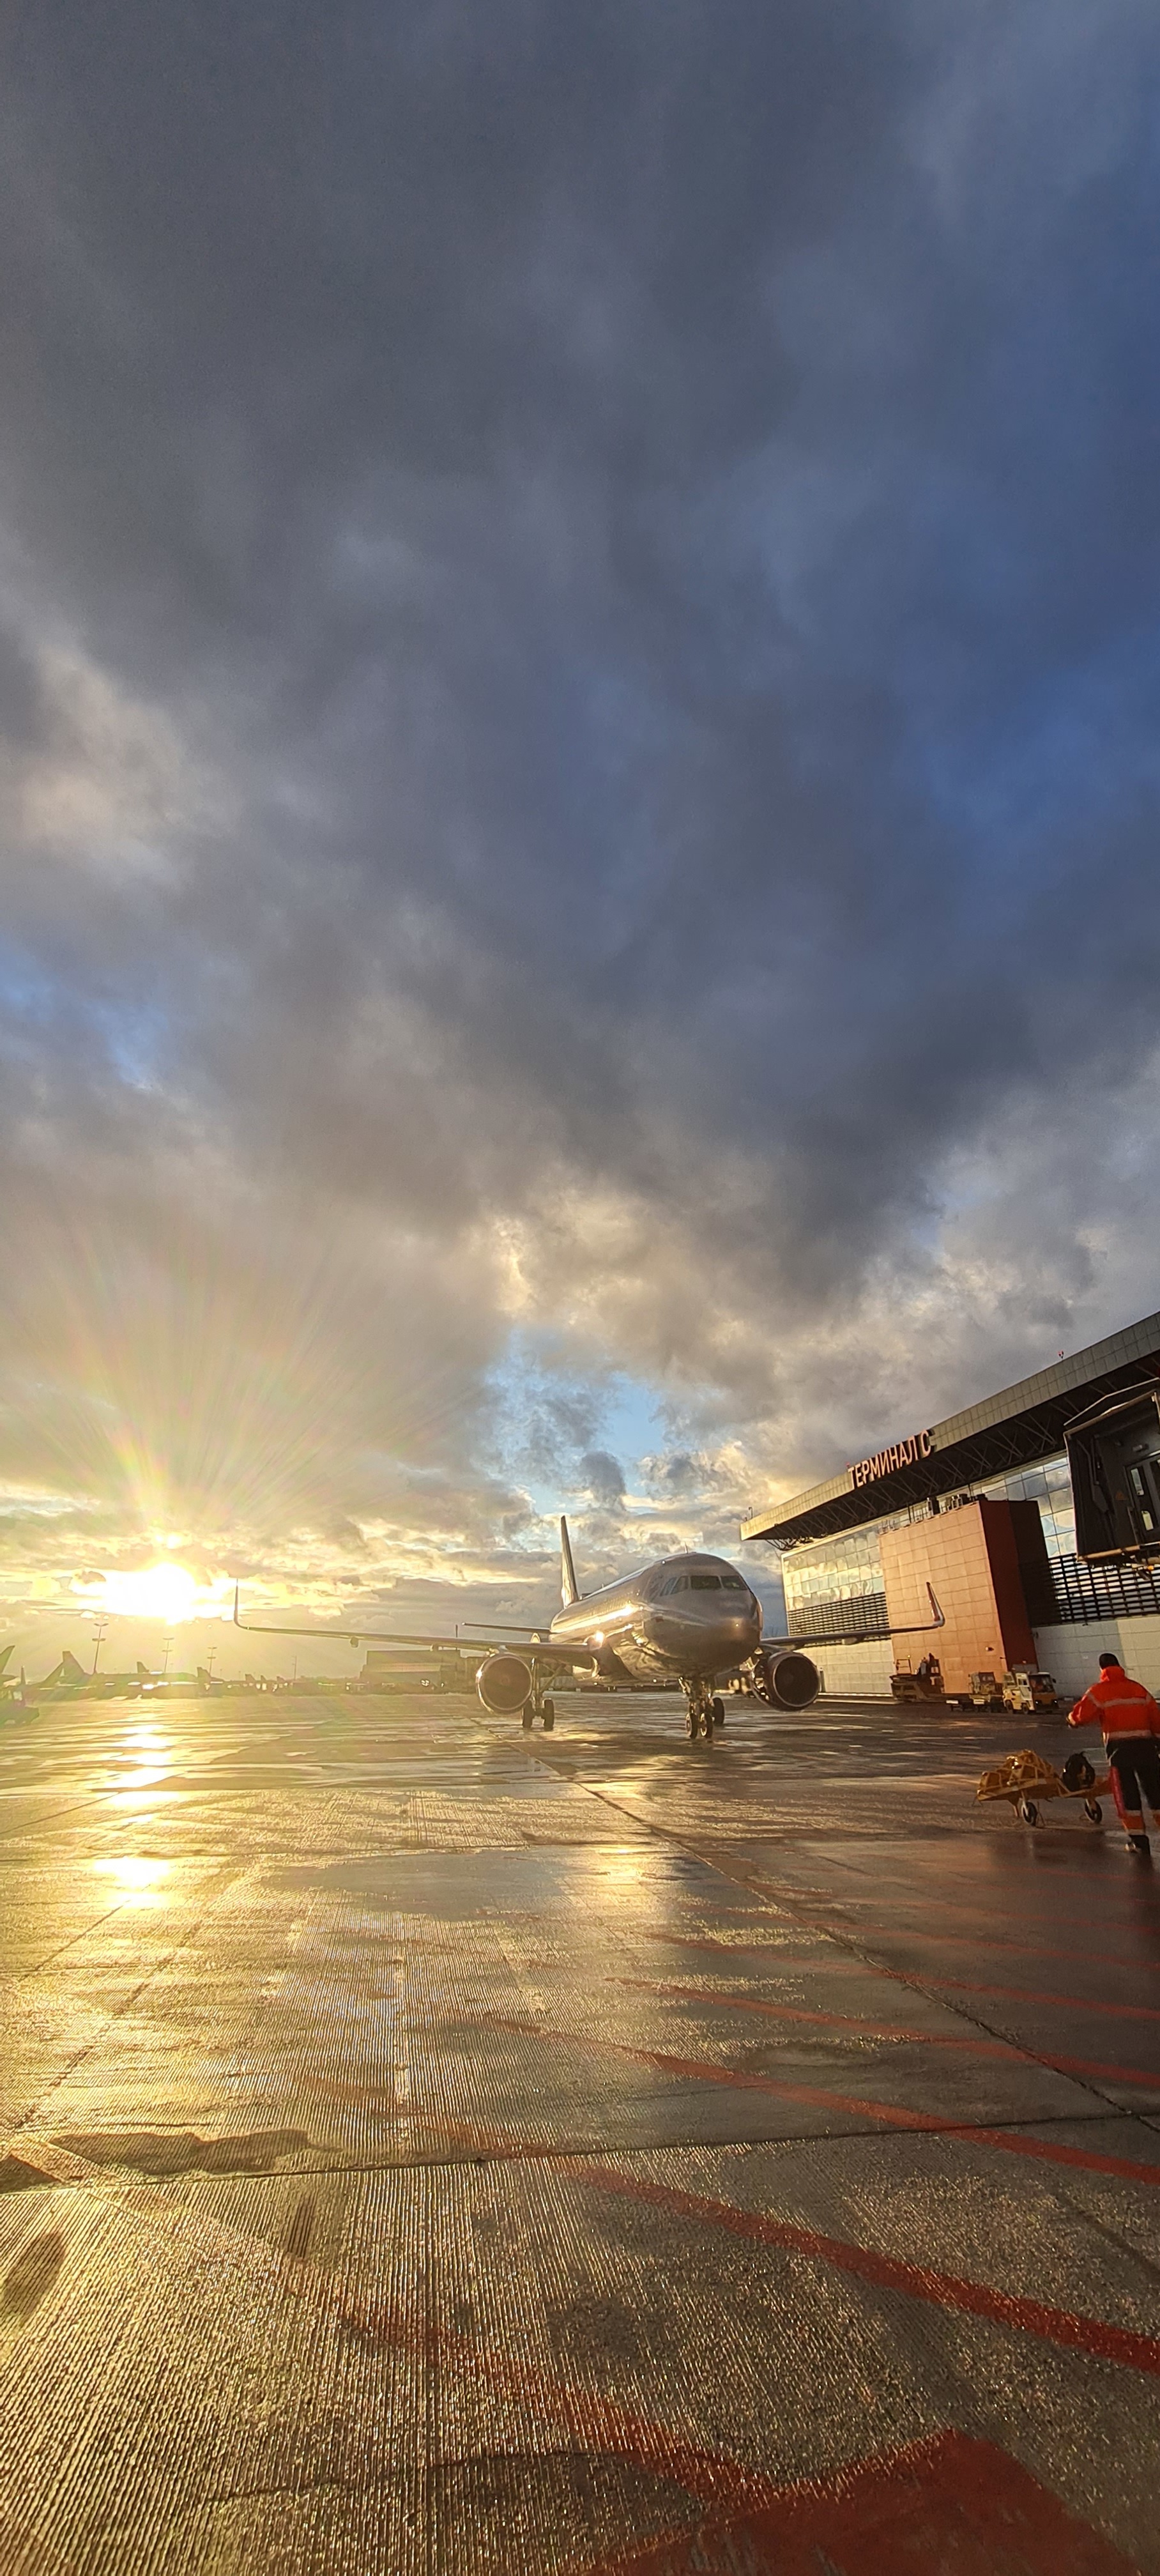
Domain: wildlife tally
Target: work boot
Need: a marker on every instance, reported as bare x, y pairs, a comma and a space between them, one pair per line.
1139, 1843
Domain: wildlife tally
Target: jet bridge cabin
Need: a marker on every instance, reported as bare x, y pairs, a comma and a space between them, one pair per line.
1114, 1454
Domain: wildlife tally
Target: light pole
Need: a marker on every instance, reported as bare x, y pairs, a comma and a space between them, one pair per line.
167, 1642
101, 1625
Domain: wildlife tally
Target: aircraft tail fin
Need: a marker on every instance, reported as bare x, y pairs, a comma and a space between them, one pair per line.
143, 1672
569, 1588
5, 1652
70, 1670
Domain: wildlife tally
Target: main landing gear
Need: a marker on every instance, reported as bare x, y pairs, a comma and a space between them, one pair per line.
704, 1712
539, 1707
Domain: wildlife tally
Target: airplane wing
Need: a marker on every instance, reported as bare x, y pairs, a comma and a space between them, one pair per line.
547, 1651
865, 1636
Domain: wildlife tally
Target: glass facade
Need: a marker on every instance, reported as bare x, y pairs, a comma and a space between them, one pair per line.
849, 1569
1050, 1487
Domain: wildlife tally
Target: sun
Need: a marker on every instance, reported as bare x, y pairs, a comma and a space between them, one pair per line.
166, 1592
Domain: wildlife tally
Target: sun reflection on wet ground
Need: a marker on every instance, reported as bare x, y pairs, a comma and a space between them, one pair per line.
425, 2149
138, 1880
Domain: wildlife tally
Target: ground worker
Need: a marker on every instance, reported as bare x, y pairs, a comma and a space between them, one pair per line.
1130, 1720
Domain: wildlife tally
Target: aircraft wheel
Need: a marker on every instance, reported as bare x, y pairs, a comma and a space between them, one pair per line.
1093, 1810
527, 1719
1029, 1812
549, 1716
692, 1722
718, 1712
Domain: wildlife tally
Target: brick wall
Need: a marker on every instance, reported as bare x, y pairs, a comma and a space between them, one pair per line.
971, 1556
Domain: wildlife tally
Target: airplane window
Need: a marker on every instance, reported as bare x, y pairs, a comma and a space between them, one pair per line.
732, 1583
705, 1582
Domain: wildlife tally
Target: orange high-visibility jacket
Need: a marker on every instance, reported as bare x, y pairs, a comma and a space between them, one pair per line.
1120, 1706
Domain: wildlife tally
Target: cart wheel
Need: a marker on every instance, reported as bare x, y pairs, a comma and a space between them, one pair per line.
1029, 1812
1092, 1808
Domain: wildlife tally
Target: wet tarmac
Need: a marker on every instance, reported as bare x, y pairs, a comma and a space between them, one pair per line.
425, 2146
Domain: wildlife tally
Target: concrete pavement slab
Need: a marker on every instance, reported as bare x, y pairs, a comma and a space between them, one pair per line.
429, 2147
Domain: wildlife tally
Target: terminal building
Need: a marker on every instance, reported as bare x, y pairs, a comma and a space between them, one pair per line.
980, 1507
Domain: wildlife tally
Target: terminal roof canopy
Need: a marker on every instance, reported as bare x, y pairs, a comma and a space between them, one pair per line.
1013, 1429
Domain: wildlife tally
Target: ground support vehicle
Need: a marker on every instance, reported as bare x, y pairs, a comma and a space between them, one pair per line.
984, 1691
1027, 1687
920, 1688
1026, 1781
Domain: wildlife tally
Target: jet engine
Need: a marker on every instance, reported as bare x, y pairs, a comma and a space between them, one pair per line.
504, 1684
784, 1678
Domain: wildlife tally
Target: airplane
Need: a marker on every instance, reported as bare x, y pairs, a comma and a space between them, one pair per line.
69, 1680
66, 1676
690, 1619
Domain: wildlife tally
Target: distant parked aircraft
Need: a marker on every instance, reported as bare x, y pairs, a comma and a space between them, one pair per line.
692, 1619
69, 1680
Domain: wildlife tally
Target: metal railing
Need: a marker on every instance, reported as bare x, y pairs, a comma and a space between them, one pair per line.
1087, 1592
862, 1616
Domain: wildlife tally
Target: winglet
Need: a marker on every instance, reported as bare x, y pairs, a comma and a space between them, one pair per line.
569, 1588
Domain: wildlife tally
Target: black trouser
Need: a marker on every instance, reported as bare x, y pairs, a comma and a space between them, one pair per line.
1135, 1768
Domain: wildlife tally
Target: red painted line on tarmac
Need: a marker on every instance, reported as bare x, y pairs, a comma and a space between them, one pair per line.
1062, 2003
950, 2502
1059, 2326
1003, 2048
985, 1941
992, 2048
836, 1931
595, 2422
830, 1926
814, 2097
1104, 2074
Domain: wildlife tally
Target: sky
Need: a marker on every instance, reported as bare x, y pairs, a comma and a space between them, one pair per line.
579, 669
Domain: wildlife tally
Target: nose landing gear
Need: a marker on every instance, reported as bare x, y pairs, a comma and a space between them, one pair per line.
704, 1711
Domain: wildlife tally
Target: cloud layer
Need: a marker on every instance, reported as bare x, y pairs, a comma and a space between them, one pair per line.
578, 680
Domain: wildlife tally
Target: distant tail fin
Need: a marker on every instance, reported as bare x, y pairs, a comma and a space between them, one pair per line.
143, 1672
569, 1588
5, 1652
70, 1670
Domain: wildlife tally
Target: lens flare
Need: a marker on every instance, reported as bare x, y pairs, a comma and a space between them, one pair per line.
166, 1592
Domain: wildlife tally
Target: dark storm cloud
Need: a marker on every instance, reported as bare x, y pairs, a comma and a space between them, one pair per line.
577, 714
603, 1478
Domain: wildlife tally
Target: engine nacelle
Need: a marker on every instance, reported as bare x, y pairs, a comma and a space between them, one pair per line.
784, 1678
504, 1684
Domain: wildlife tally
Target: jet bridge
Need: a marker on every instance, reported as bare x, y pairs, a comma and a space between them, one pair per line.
1113, 1452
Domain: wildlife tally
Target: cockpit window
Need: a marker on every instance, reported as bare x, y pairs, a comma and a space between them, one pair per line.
732, 1583
705, 1582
